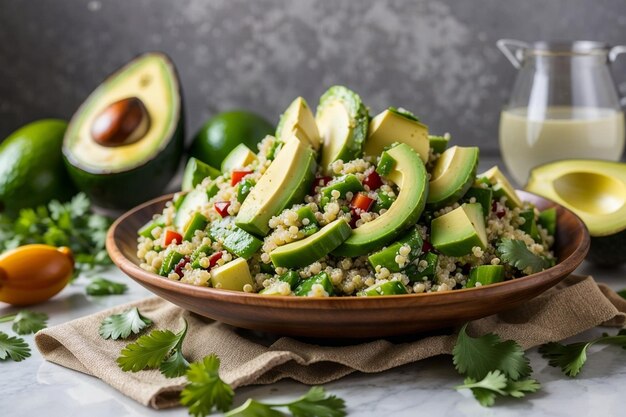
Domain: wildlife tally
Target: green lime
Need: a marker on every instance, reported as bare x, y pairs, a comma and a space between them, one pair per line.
223, 132
31, 166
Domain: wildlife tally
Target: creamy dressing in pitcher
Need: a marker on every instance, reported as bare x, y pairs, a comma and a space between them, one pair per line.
557, 133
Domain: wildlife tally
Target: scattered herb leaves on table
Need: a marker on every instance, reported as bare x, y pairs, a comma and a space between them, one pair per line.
205, 390
26, 321
103, 286
13, 347
120, 326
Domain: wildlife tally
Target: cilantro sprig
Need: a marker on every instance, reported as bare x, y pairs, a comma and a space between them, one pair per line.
515, 253
120, 326
13, 347
572, 357
70, 224
103, 286
26, 321
206, 391
160, 349
492, 367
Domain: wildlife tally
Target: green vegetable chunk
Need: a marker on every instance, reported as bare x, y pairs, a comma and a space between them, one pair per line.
195, 256
414, 273
530, 225
547, 220
386, 257
386, 288
197, 222
146, 229
195, 172
483, 196
236, 240
169, 262
345, 184
243, 189
485, 275
306, 286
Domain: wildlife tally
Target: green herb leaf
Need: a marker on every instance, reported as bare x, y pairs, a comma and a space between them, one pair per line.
476, 357
316, 403
174, 366
515, 253
253, 408
102, 286
622, 293
149, 351
26, 322
13, 347
206, 390
120, 326
518, 389
486, 389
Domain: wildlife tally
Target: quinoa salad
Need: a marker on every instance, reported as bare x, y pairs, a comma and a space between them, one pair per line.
342, 204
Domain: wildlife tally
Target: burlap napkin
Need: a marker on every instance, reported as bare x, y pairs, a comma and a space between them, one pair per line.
577, 304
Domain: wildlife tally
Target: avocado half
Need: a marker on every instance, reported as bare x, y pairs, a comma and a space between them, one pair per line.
124, 143
594, 190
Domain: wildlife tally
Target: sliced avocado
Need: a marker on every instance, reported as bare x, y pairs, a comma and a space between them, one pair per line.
298, 116
233, 275
439, 143
409, 174
238, 158
386, 288
485, 275
501, 187
342, 121
169, 262
197, 222
386, 257
452, 176
547, 220
530, 225
345, 184
457, 232
306, 286
483, 196
415, 274
391, 126
308, 250
195, 172
284, 183
594, 190
123, 145
234, 239
191, 202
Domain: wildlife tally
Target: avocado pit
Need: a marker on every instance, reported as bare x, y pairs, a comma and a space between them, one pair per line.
124, 122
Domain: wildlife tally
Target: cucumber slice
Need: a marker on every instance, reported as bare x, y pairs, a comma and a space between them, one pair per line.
234, 239
386, 288
387, 257
485, 275
547, 220
322, 278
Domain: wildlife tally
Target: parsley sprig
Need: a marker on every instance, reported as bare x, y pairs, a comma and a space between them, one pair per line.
120, 326
103, 286
26, 321
13, 347
571, 358
515, 253
70, 224
492, 367
160, 349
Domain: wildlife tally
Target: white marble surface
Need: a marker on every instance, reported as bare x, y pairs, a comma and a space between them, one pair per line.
34, 387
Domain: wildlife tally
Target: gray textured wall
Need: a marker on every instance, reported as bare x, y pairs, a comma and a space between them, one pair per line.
437, 57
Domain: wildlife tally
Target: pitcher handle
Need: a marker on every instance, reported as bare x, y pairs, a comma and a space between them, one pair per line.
614, 53
511, 48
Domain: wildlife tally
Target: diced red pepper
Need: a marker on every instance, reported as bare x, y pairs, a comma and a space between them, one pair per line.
373, 181
237, 175
362, 202
222, 207
181, 264
170, 236
320, 182
214, 258
355, 215
427, 247
498, 209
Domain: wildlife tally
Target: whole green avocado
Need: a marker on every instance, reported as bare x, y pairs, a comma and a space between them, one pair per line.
32, 171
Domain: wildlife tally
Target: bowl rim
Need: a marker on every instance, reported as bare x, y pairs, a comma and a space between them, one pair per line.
561, 269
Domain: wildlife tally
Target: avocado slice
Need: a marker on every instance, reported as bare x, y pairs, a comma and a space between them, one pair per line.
234, 239
124, 143
299, 116
501, 187
305, 286
457, 232
308, 250
342, 121
484, 196
284, 183
452, 175
191, 202
195, 172
409, 174
233, 275
386, 288
485, 275
594, 190
392, 126
439, 143
387, 257
240, 157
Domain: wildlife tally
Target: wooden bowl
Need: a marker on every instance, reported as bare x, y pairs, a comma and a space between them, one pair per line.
348, 317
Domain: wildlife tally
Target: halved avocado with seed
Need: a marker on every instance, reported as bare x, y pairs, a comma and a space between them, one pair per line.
124, 143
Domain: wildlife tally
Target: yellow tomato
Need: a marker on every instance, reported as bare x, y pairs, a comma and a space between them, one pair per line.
31, 274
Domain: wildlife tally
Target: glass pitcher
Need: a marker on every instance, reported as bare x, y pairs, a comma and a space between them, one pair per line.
564, 105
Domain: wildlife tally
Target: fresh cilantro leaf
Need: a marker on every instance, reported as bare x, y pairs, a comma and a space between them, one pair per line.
149, 351
486, 389
477, 356
206, 390
13, 347
120, 326
517, 254
26, 321
174, 366
253, 408
518, 389
102, 286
